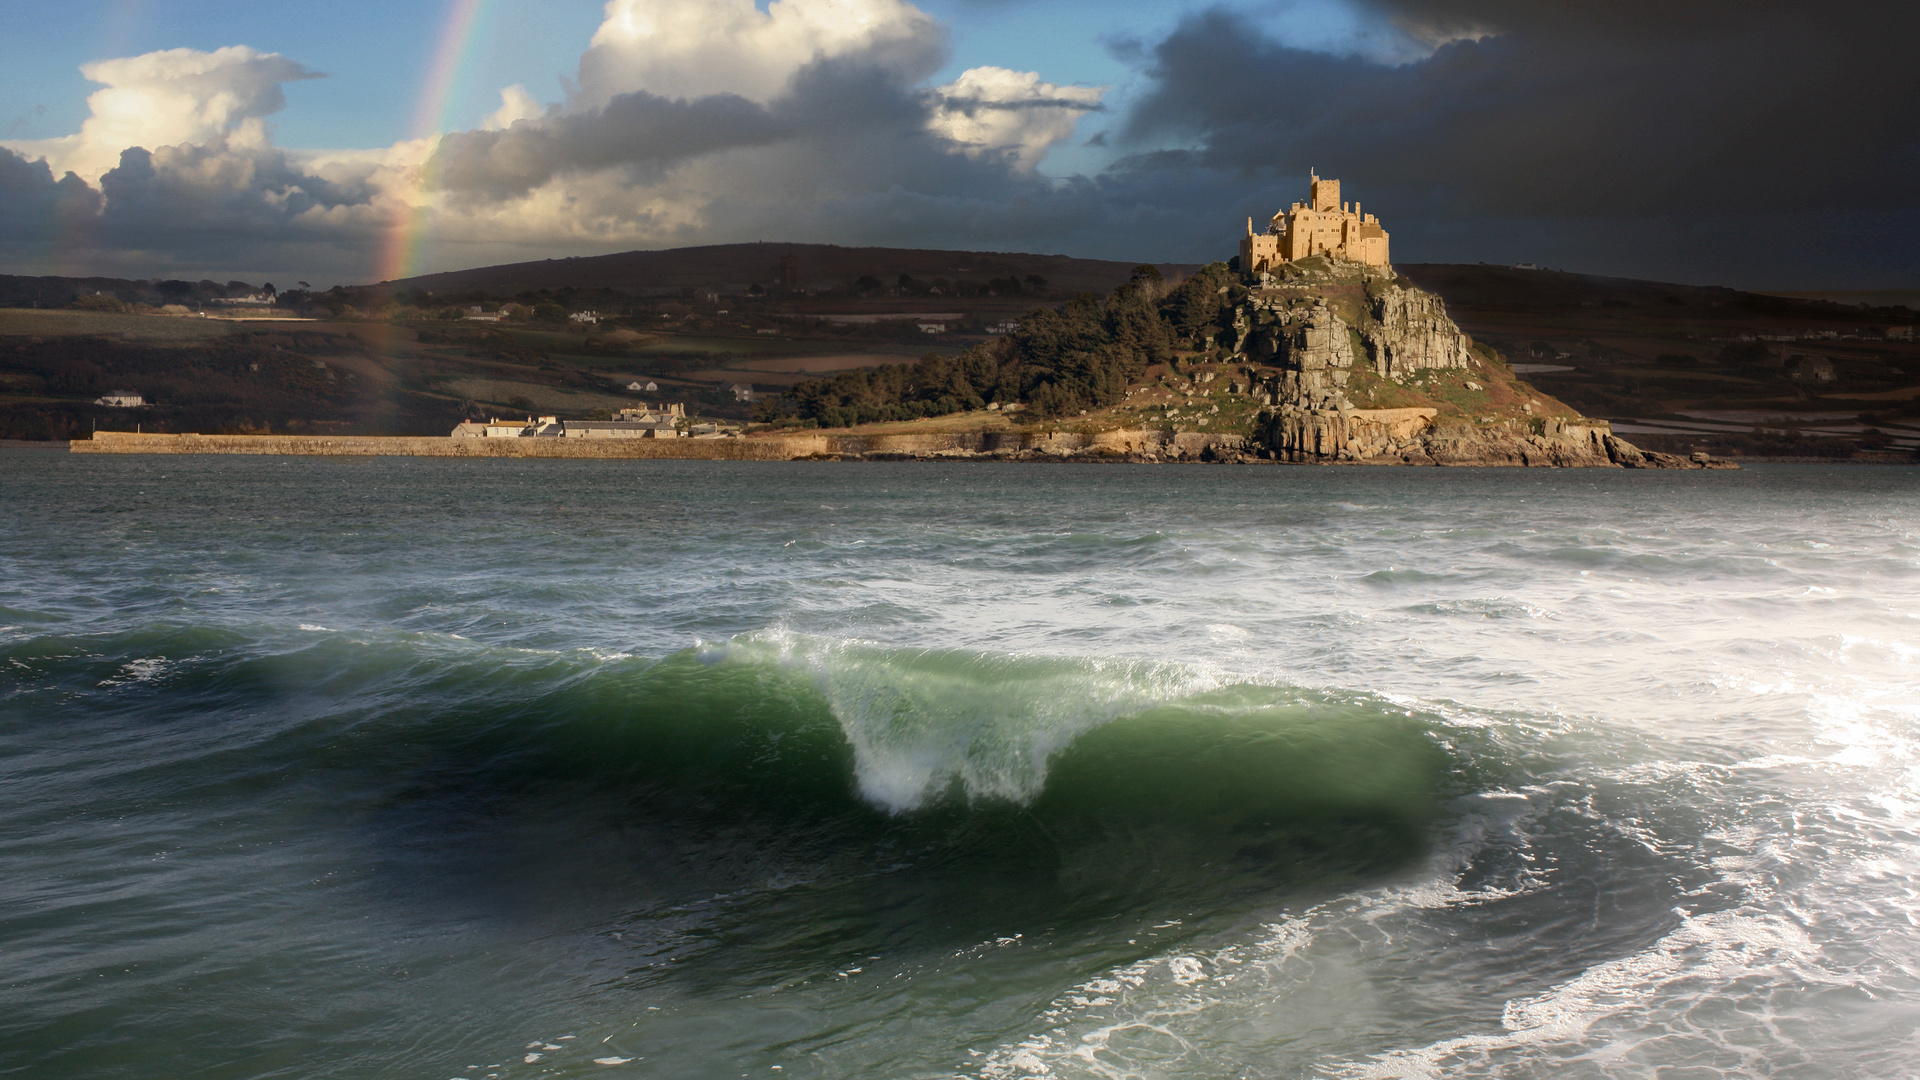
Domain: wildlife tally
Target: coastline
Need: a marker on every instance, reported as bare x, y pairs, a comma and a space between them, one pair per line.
1142, 444
1124, 446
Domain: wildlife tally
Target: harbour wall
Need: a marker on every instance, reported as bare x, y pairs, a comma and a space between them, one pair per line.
774, 449
749, 448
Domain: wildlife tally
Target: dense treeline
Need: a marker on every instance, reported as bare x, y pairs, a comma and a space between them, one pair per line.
1080, 355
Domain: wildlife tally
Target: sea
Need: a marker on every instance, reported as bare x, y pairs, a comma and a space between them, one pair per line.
503, 769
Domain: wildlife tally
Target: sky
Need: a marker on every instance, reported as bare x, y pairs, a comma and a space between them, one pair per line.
1759, 143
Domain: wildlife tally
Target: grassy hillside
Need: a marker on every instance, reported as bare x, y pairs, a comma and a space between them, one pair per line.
319, 377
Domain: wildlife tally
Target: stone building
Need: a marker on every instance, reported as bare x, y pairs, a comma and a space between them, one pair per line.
1805, 367
629, 424
1323, 225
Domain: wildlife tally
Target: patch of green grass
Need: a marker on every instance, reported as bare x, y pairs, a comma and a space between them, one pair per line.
549, 399
1370, 391
37, 322
1673, 375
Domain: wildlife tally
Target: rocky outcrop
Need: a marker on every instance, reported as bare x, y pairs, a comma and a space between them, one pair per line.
1296, 434
1392, 437
1404, 331
1310, 346
1302, 355
1410, 331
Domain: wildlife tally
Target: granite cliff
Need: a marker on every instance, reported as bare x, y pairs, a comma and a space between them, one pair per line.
1354, 364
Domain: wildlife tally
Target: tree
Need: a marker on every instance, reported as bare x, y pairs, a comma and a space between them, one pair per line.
1079, 355
1197, 307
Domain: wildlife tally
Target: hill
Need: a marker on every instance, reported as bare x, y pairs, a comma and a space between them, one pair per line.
817, 268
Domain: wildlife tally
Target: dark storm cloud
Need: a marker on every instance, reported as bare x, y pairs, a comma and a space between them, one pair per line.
200, 207
852, 110
1782, 129
637, 129
845, 141
858, 164
201, 203
36, 208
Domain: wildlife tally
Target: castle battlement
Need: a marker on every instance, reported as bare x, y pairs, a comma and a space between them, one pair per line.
1323, 225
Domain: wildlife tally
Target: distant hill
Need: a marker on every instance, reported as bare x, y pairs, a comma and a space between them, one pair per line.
737, 267
1685, 367
1487, 285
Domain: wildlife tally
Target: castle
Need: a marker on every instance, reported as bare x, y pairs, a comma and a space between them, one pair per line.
1321, 226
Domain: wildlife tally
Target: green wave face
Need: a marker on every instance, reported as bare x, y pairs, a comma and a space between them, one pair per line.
926, 797
1236, 788
777, 801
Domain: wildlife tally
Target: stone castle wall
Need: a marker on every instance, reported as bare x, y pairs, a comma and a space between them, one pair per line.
1323, 225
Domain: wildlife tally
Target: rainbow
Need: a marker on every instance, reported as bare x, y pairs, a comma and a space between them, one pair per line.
400, 248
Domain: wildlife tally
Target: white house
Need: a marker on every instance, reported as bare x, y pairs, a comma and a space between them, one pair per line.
121, 399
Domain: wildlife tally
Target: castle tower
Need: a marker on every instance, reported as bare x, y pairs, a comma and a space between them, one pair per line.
1326, 195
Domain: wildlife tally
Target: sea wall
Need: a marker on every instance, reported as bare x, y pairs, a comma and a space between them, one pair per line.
780, 448
964, 444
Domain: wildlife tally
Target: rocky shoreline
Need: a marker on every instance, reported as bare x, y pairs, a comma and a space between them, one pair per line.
1322, 332
1611, 453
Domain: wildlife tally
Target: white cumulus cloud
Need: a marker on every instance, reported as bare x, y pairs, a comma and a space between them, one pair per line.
992, 110
695, 48
170, 98
515, 105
